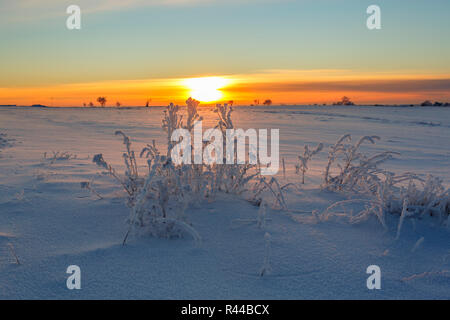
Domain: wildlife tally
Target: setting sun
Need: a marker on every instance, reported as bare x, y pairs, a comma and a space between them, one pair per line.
206, 89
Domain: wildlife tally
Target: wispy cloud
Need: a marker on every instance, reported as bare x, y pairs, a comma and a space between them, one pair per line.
397, 86
27, 10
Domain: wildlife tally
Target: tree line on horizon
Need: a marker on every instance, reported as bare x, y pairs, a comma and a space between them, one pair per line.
345, 101
428, 103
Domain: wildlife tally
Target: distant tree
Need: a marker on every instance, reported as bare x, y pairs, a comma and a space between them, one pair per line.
256, 101
345, 101
84, 104
102, 101
426, 103
118, 104
437, 104
91, 104
268, 102
231, 102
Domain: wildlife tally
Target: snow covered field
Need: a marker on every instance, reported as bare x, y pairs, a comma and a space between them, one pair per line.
49, 222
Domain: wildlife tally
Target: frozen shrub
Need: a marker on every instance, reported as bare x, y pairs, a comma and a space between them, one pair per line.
59, 156
418, 199
302, 165
158, 200
242, 178
88, 186
371, 208
192, 114
407, 195
131, 182
262, 212
430, 198
161, 202
356, 172
232, 178
171, 121
267, 268
274, 188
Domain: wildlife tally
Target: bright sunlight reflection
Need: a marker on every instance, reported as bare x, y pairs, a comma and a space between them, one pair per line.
206, 89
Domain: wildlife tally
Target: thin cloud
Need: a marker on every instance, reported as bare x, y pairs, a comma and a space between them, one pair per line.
385, 86
29, 10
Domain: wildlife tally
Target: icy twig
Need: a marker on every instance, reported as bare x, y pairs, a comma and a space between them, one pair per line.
13, 252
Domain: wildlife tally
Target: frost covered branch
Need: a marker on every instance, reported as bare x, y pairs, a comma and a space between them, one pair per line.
302, 165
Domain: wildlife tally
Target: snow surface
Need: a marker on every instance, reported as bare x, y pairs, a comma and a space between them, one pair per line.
49, 222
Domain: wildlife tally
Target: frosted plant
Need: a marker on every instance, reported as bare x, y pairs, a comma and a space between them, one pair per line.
159, 199
405, 213
415, 200
431, 198
267, 268
192, 114
197, 172
228, 177
274, 187
352, 172
357, 172
131, 182
160, 205
59, 156
302, 165
337, 148
167, 190
261, 218
407, 195
243, 178
441, 273
262, 213
224, 113
371, 208
171, 121
232, 178
410, 202
417, 244
88, 186
13, 252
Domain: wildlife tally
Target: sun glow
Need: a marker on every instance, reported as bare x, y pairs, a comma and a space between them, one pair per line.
206, 89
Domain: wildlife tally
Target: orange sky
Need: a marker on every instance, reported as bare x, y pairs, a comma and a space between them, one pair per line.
281, 86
